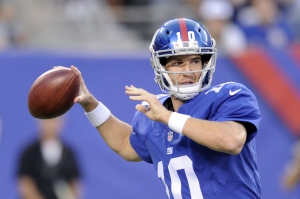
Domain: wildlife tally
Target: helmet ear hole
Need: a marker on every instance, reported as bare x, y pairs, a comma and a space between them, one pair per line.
206, 78
205, 58
163, 61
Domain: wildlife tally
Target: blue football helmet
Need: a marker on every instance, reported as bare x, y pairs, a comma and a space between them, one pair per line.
182, 37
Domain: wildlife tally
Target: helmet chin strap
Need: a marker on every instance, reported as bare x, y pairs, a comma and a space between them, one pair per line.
185, 93
184, 97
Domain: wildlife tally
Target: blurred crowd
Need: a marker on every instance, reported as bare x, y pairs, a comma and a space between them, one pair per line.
12, 31
129, 24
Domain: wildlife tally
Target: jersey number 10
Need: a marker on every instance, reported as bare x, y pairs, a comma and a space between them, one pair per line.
175, 164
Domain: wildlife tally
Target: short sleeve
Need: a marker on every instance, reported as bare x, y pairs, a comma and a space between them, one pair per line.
237, 103
140, 125
140, 148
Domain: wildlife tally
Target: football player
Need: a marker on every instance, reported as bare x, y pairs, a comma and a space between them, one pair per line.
199, 138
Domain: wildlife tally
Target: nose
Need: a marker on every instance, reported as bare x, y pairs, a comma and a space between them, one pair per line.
187, 66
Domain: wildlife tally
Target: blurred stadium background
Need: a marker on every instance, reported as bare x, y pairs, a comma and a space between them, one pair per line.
258, 43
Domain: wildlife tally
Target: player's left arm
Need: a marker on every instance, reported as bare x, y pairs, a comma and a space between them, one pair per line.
233, 123
228, 136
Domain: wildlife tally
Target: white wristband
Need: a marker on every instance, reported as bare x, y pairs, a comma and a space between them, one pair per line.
177, 121
99, 115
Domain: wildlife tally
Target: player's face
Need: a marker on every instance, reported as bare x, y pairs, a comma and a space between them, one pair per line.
184, 63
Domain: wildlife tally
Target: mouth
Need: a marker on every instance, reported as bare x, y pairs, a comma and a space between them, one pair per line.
186, 83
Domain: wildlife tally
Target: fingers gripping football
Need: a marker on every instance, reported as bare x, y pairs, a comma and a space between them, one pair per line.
84, 94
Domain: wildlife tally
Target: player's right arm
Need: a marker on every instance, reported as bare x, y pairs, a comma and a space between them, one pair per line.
115, 132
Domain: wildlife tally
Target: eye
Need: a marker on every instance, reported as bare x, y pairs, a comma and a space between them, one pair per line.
196, 61
173, 63
176, 63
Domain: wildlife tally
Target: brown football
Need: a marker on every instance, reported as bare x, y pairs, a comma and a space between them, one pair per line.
52, 94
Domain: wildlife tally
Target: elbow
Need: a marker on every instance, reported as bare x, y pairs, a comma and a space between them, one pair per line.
129, 155
127, 158
130, 158
231, 149
123, 154
234, 142
234, 147
235, 150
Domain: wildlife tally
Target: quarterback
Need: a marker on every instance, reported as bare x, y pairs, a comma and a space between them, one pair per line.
199, 137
